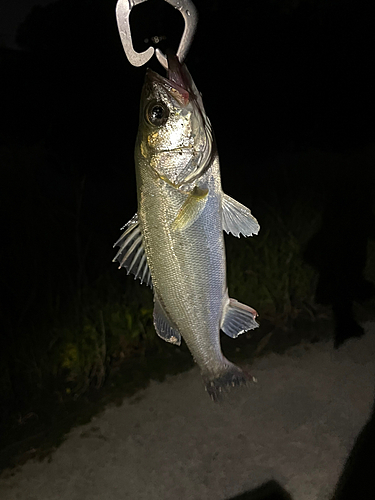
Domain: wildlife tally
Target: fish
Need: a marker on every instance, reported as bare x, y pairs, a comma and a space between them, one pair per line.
175, 241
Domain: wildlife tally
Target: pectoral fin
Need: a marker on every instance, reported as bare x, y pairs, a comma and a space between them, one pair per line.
163, 325
131, 255
237, 218
191, 209
237, 318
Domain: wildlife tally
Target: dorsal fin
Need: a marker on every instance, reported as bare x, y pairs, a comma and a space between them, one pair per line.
132, 255
163, 325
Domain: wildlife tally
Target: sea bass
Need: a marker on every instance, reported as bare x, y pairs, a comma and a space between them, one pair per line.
175, 242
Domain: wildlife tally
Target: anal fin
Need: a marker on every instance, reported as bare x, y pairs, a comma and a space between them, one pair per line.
237, 318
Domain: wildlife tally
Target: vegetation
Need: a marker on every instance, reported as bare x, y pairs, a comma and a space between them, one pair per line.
73, 319
269, 270
77, 321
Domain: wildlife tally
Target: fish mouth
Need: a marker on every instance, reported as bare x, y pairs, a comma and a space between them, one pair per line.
177, 82
177, 73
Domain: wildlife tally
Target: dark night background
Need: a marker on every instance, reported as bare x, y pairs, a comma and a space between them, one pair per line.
280, 79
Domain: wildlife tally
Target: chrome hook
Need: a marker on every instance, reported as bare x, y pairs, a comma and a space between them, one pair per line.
190, 15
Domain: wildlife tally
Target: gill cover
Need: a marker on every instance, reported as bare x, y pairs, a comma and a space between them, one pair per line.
175, 134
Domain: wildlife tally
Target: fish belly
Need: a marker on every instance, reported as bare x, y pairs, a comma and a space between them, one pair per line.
188, 268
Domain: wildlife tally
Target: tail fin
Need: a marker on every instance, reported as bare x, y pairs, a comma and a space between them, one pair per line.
230, 377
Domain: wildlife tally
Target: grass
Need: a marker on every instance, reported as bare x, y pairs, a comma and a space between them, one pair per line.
109, 322
268, 271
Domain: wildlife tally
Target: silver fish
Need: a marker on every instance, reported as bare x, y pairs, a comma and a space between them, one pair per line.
175, 242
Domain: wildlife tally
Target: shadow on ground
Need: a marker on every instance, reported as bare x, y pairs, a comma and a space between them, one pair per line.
357, 476
267, 491
356, 479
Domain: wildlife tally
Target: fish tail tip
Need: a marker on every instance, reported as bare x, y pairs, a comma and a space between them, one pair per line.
233, 377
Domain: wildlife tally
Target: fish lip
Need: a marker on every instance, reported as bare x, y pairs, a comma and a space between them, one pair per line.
178, 76
152, 76
180, 92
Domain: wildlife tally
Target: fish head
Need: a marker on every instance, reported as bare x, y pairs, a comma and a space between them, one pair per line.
174, 132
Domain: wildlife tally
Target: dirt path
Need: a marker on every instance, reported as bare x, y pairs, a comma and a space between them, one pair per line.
295, 426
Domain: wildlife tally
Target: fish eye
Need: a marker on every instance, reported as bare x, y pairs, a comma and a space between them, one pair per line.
157, 113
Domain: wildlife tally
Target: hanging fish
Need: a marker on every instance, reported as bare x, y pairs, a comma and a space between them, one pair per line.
175, 242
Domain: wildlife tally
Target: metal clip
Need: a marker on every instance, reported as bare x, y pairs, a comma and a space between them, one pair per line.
190, 15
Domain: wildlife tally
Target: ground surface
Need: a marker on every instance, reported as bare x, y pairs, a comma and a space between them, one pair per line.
293, 429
